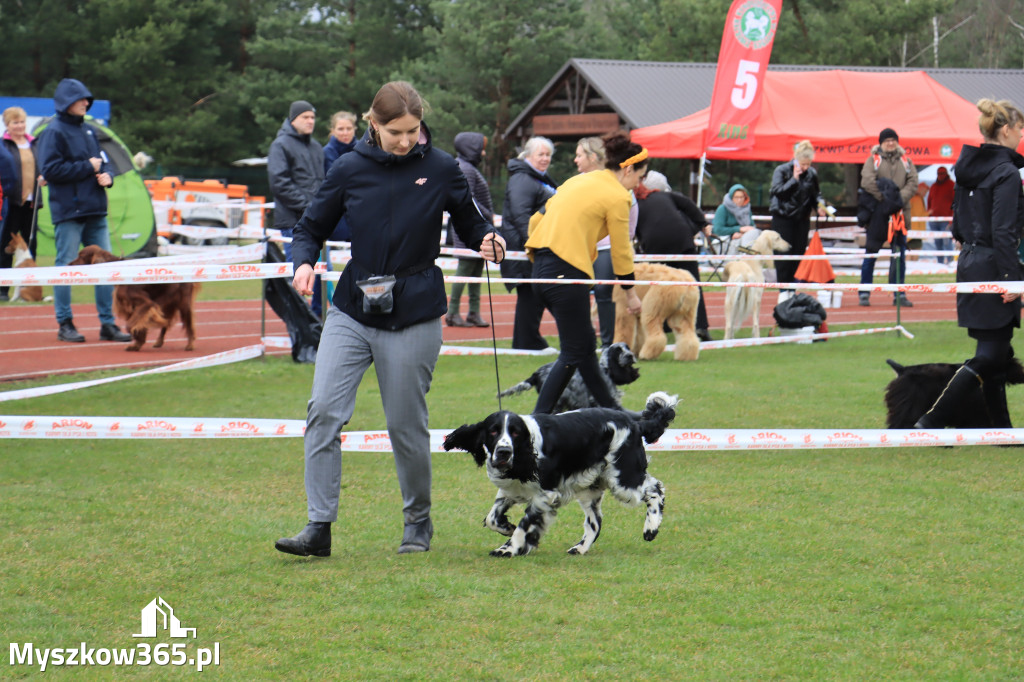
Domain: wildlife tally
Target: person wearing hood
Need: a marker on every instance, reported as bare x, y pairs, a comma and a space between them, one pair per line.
988, 218
469, 152
394, 188
888, 161
734, 219
78, 173
295, 168
528, 188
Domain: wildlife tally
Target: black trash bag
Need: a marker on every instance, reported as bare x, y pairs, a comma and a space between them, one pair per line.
799, 310
303, 327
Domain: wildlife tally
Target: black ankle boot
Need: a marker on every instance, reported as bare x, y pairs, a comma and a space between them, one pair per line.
313, 540
963, 383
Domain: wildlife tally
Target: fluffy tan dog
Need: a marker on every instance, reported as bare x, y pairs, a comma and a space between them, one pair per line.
744, 302
675, 305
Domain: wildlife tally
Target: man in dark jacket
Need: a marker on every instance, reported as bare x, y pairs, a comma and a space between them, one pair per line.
888, 161
295, 168
469, 152
77, 172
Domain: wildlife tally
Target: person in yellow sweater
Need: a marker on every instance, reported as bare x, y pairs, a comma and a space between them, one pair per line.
562, 243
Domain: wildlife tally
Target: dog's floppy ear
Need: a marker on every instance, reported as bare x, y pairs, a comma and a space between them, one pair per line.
468, 437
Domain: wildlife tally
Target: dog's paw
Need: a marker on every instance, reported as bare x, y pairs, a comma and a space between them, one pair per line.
503, 551
577, 549
650, 534
500, 526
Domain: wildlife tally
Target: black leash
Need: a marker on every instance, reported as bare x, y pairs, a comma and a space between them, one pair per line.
494, 338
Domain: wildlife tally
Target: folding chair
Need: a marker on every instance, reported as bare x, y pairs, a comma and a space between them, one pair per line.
714, 245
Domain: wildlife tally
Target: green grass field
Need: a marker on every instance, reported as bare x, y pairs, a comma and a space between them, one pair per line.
849, 565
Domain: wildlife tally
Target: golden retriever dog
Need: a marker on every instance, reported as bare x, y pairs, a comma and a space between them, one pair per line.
744, 302
674, 305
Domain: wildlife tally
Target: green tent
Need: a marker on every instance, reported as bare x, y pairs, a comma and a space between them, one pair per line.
129, 208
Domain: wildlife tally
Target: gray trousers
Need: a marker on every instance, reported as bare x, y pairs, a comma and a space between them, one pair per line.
404, 361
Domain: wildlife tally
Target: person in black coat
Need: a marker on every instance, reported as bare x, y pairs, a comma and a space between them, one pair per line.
988, 216
794, 195
295, 168
529, 187
667, 224
394, 187
469, 152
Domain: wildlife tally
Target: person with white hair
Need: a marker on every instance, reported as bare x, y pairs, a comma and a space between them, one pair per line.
667, 223
529, 187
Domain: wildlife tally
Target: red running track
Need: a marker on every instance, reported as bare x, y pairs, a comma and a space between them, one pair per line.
29, 348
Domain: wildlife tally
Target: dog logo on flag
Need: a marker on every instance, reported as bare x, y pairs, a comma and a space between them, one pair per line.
754, 24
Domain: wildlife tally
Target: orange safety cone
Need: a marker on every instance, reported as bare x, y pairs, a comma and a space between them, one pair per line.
816, 271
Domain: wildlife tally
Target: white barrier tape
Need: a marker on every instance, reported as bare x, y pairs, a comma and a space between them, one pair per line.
226, 357
125, 273
197, 255
230, 203
939, 287
277, 342
147, 427
481, 350
673, 440
794, 338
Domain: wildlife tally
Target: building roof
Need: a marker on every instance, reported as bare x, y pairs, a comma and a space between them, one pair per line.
648, 93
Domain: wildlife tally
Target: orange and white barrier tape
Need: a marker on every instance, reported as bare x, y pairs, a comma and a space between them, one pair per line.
226, 357
673, 440
147, 427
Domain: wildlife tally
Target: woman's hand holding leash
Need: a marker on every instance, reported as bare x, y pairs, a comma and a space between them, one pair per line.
492, 248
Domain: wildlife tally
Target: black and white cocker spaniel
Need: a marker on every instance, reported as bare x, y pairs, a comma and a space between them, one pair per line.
618, 368
546, 461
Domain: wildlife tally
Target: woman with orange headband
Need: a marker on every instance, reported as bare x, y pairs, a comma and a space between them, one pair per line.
563, 245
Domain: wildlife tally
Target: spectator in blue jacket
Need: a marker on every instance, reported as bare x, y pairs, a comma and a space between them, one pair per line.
78, 174
394, 188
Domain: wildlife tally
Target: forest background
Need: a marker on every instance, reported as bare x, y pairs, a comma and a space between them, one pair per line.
200, 84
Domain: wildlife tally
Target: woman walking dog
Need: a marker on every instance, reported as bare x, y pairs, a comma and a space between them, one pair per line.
988, 216
388, 304
563, 244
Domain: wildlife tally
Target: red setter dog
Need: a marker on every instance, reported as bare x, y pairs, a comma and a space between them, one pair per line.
147, 305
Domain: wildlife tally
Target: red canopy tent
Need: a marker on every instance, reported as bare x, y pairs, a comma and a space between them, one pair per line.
841, 113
